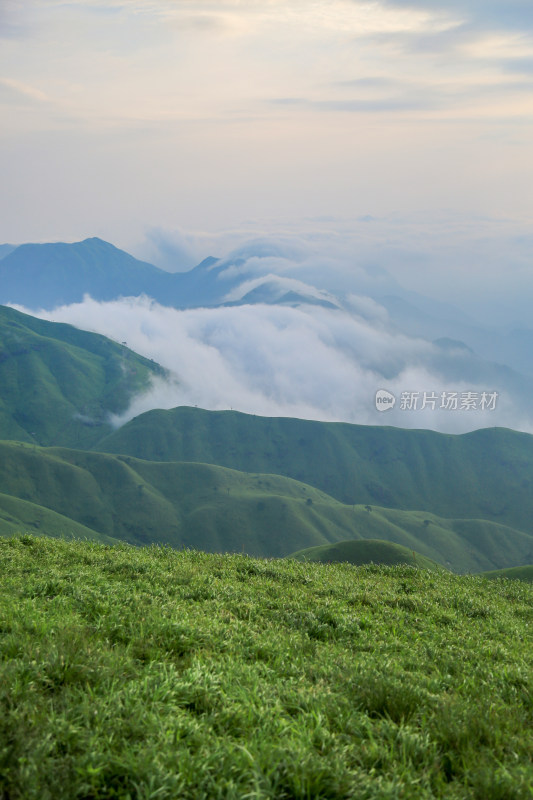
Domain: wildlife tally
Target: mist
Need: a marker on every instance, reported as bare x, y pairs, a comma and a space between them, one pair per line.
479, 264
305, 361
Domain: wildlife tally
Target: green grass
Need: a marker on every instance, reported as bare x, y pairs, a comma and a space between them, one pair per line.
222, 510
366, 551
150, 673
487, 474
58, 384
513, 573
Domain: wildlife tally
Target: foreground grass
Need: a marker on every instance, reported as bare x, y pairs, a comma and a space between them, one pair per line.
150, 673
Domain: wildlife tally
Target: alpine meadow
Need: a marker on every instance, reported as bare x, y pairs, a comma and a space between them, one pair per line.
266, 381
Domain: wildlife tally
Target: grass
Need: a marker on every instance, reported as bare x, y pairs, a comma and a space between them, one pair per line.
150, 673
222, 510
366, 551
487, 474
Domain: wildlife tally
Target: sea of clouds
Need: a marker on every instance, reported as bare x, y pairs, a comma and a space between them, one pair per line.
315, 362
306, 362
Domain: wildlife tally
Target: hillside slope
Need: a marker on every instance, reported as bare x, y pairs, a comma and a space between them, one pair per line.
58, 384
366, 551
217, 509
18, 515
524, 573
487, 474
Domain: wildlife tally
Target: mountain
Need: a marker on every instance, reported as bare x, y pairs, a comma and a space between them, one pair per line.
486, 474
6, 249
59, 385
277, 290
414, 315
48, 275
44, 276
366, 551
216, 509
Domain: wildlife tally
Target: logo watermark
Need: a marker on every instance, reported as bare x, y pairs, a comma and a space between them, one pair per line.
443, 401
385, 401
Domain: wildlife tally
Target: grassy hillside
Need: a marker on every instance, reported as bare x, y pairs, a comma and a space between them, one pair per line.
366, 551
21, 515
513, 573
220, 510
487, 474
147, 673
58, 384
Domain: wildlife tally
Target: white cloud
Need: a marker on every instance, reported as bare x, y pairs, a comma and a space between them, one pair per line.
24, 89
274, 361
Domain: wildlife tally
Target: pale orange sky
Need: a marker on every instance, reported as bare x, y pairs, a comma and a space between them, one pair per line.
201, 115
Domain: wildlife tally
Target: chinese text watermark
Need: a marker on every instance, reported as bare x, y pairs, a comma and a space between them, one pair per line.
445, 401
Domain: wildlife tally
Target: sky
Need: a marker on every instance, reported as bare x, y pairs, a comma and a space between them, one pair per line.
123, 117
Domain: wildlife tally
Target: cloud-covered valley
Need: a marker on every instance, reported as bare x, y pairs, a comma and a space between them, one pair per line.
302, 361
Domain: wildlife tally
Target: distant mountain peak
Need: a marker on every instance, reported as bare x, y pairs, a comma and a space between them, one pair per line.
206, 265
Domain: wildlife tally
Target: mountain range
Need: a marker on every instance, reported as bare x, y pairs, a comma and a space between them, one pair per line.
223, 480
45, 276
226, 481
203, 506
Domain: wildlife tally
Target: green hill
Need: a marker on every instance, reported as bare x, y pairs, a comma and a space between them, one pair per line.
366, 551
221, 510
513, 573
21, 515
59, 384
149, 673
487, 474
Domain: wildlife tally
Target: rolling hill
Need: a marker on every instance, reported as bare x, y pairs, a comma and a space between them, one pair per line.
217, 509
487, 474
366, 551
58, 384
512, 573
228, 481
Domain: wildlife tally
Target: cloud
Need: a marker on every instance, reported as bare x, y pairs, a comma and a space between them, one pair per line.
171, 250
361, 105
480, 265
20, 89
300, 362
501, 13
277, 287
